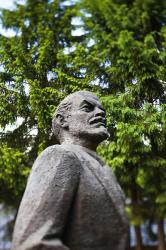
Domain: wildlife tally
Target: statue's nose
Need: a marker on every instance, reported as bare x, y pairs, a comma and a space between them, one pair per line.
99, 112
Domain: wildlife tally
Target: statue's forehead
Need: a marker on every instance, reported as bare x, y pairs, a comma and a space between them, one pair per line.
78, 99
91, 99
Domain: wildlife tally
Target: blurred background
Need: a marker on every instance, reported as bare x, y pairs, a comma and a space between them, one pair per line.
115, 48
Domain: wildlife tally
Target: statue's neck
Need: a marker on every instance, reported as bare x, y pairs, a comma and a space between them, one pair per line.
83, 143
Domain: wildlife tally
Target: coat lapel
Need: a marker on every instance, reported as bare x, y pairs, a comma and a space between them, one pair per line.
107, 179
102, 173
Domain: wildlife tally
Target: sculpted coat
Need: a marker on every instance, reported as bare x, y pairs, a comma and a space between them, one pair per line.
72, 201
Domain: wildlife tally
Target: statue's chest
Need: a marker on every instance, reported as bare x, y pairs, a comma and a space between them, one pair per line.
98, 187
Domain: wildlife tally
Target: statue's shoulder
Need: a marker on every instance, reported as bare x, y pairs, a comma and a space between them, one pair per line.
56, 155
58, 149
56, 152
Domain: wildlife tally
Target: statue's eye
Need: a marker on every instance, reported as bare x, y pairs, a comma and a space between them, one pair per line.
87, 108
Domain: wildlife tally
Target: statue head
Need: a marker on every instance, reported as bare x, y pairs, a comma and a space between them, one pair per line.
80, 119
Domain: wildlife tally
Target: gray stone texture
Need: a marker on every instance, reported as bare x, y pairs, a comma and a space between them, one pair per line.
72, 199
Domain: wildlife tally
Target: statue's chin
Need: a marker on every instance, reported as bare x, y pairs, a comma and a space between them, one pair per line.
103, 135
96, 134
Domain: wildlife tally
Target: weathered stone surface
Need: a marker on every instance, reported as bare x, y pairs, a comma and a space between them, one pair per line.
72, 200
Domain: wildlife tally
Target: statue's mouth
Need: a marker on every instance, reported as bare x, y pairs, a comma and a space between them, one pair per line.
99, 121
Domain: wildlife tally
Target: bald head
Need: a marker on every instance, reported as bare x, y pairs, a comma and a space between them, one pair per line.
72, 98
64, 108
80, 117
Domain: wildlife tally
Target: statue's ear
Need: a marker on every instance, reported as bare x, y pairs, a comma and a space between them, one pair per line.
62, 121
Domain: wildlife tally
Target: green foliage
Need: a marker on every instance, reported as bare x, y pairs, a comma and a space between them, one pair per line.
36, 73
128, 57
121, 56
13, 173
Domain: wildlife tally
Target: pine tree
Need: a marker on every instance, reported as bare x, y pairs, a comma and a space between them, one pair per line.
125, 55
36, 73
121, 55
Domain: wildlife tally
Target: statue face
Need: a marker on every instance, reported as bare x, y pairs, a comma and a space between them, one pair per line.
87, 118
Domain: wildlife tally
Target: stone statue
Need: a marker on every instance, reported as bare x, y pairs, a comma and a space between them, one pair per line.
72, 200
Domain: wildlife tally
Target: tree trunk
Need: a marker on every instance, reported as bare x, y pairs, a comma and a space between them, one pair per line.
160, 235
138, 238
129, 239
136, 212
